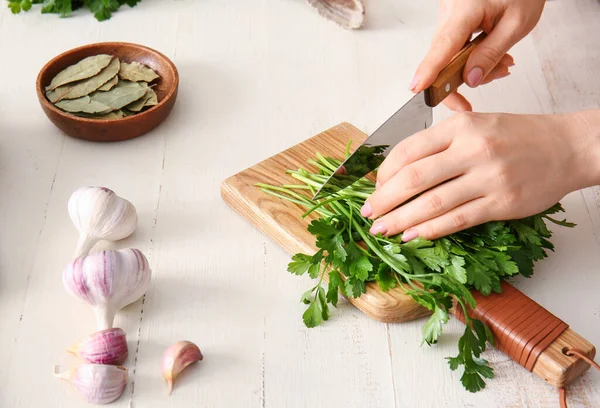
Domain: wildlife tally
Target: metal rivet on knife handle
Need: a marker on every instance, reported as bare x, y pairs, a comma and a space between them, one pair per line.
451, 77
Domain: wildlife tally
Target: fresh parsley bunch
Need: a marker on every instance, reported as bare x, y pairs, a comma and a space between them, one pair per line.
102, 9
433, 273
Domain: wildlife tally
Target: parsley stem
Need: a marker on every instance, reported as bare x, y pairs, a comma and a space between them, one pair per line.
332, 166
296, 186
319, 165
321, 204
306, 180
348, 146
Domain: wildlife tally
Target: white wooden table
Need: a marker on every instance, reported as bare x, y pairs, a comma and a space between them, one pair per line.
258, 76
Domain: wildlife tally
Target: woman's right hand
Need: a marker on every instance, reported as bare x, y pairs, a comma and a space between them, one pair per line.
505, 21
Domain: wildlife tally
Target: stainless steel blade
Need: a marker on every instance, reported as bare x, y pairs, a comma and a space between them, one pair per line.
411, 118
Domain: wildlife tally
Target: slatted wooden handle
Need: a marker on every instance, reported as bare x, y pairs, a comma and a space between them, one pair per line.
531, 335
451, 77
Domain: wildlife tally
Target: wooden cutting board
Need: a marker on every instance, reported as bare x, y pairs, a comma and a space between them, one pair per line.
514, 329
282, 222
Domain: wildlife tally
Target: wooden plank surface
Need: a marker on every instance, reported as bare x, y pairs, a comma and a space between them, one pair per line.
257, 76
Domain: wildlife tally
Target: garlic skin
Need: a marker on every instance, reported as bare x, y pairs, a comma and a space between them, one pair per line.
97, 384
108, 281
177, 357
100, 214
347, 13
104, 347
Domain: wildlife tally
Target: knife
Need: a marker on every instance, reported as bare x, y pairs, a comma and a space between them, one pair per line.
414, 116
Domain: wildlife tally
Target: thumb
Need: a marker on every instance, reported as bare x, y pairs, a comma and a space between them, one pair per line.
488, 54
447, 41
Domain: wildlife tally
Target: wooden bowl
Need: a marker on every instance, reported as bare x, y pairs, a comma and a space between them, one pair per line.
112, 130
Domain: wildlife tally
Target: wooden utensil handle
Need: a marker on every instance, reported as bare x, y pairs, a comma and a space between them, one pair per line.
531, 335
451, 77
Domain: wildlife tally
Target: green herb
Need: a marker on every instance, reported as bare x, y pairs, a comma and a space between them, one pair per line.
102, 9
431, 272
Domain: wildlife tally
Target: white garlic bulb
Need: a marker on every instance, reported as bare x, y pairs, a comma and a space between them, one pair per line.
100, 214
97, 384
108, 281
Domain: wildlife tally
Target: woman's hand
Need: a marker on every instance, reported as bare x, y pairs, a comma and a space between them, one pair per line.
505, 21
473, 168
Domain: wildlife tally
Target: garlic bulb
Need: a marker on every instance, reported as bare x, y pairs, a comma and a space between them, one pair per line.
98, 213
347, 13
104, 347
98, 384
108, 281
177, 357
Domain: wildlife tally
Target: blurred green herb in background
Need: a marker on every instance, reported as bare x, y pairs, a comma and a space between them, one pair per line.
102, 9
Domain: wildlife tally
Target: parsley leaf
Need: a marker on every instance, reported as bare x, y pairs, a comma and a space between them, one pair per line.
335, 284
432, 330
313, 316
456, 269
300, 264
102, 9
384, 277
354, 287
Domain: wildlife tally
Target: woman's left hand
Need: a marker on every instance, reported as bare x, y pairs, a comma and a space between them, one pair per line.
473, 168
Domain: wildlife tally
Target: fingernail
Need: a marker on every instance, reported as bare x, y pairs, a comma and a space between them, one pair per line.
378, 229
377, 185
474, 77
409, 235
414, 83
366, 210
512, 64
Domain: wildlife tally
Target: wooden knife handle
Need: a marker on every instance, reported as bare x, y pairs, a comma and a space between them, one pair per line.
531, 335
451, 77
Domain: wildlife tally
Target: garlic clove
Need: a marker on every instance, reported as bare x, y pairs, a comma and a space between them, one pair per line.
100, 214
176, 358
347, 13
108, 281
97, 384
104, 347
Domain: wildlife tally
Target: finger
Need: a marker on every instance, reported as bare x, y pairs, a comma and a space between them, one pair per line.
499, 71
431, 204
412, 180
507, 60
416, 147
468, 215
447, 41
457, 102
492, 49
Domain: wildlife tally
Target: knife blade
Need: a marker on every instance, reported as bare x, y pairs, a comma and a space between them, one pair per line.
412, 117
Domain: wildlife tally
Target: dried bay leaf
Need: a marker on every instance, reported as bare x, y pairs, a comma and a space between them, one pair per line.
86, 68
149, 99
84, 104
118, 114
110, 84
124, 93
153, 100
137, 72
87, 86
139, 104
